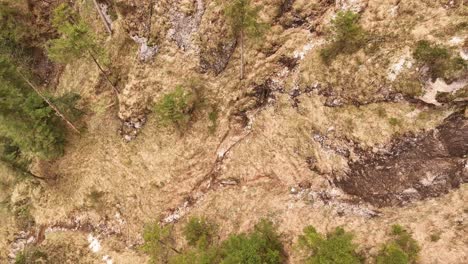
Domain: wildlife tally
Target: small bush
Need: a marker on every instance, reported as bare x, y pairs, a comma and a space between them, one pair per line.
397, 229
11, 155
198, 256
22, 212
199, 232
158, 242
175, 108
213, 117
260, 246
409, 86
435, 237
347, 36
403, 249
439, 60
31, 255
392, 254
335, 247
381, 112
394, 121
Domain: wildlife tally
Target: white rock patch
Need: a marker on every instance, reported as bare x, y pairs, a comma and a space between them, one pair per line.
464, 54
431, 89
94, 244
456, 41
146, 52
306, 49
395, 69
353, 5
107, 259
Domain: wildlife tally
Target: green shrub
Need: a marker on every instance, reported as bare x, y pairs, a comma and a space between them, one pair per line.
199, 232
334, 248
22, 212
26, 119
409, 85
397, 229
175, 108
11, 155
347, 36
260, 246
439, 60
394, 121
19, 36
76, 39
31, 255
198, 256
213, 117
403, 249
392, 254
435, 237
158, 242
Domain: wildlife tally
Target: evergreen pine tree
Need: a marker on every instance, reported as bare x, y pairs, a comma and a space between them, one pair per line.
75, 41
244, 21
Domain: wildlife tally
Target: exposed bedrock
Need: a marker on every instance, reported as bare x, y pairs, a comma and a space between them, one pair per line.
414, 168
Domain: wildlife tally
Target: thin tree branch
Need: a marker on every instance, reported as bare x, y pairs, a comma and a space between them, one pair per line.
104, 73
49, 103
103, 18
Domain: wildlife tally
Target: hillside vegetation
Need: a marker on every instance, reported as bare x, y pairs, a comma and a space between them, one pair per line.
240, 131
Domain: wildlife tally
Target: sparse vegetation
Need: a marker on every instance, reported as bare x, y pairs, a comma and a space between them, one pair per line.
335, 247
11, 155
22, 213
76, 41
199, 232
381, 112
403, 249
435, 237
158, 243
409, 85
439, 60
20, 37
347, 36
175, 108
213, 118
394, 121
31, 255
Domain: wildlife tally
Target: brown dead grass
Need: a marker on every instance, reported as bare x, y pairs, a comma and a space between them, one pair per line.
144, 178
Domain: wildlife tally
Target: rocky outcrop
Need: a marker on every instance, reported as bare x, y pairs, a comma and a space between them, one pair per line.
413, 168
216, 42
185, 23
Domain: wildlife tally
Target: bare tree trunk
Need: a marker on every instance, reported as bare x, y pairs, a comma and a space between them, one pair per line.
242, 54
149, 20
103, 18
104, 73
171, 247
49, 103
